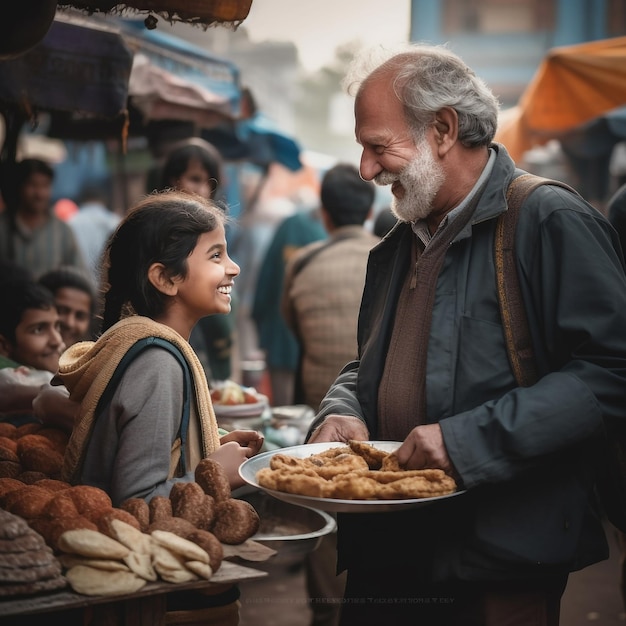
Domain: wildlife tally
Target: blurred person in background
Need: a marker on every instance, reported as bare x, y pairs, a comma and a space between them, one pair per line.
30, 234
92, 225
195, 166
321, 299
30, 345
325, 327
275, 339
384, 222
75, 300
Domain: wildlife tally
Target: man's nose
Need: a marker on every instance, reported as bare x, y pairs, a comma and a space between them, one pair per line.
369, 167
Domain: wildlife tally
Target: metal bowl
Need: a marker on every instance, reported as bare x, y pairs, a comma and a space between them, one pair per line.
292, 530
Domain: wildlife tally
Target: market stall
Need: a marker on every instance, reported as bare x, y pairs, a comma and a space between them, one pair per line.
573, 86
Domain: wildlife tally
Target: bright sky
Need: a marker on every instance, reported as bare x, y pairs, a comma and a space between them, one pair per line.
317, 27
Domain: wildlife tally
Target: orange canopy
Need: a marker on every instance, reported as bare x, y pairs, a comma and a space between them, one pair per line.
573, 85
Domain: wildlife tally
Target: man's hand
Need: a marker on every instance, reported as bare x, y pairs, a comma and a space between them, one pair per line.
340, 428
424, 448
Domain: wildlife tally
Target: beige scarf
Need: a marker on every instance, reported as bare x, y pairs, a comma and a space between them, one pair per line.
86, 368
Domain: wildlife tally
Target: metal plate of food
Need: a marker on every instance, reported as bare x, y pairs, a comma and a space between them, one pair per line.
249, 469
250, 409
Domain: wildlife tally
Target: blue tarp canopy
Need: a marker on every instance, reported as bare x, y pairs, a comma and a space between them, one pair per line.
257, 140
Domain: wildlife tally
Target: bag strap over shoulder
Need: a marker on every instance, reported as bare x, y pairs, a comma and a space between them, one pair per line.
130, 355
514, 319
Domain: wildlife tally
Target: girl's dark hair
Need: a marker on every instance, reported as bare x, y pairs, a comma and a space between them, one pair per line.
21, 294
182, 154
68, 276
162, 228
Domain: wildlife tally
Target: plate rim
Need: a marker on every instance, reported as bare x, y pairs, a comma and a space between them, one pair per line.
337, 505
250, 409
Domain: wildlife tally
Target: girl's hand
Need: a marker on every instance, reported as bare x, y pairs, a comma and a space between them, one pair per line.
250, 439
230, 456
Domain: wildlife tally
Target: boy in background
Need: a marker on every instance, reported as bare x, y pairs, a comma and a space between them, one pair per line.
30, 346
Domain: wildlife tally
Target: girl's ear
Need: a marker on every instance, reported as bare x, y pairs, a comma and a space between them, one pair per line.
161, 281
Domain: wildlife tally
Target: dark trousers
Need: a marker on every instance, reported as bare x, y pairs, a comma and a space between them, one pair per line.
386, 598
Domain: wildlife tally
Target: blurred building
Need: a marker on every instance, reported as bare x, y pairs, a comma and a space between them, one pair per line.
505, 40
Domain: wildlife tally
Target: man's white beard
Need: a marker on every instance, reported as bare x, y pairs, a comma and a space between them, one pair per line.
421, 179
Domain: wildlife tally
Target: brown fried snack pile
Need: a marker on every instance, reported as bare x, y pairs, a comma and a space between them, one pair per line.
31, 452
358, 471
27, 564
202, 513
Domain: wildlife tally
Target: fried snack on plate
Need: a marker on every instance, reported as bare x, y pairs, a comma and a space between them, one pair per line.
391, 464
353, 487
428, 485
305, 482
326, 467
346, 473
373, 456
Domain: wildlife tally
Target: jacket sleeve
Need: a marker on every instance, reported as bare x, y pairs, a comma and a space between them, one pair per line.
574, 288
341, 398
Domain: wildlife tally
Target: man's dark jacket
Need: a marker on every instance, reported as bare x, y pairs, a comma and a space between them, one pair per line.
526, 456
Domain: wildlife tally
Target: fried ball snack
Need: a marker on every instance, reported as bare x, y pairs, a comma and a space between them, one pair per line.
139, 509
27, 502
9, 469
160, 507
212, 477
347, 473
235, 521
188, 502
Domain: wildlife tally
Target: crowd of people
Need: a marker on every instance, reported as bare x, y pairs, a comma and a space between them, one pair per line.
393, 332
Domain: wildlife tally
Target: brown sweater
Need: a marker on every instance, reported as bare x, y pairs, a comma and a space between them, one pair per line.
402, 390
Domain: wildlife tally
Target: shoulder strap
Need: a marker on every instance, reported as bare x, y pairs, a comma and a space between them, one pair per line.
130, 355
514, 319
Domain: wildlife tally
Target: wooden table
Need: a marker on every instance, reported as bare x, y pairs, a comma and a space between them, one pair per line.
143, 608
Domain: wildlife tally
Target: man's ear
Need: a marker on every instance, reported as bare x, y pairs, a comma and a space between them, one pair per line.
6, 347
446, 129
160, 280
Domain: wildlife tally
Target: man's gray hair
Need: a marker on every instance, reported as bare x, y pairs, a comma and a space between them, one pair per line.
428, 78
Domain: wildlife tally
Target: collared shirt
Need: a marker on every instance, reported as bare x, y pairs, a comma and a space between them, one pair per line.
420, 227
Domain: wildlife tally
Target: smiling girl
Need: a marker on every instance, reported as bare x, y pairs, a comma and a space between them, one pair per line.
166, 267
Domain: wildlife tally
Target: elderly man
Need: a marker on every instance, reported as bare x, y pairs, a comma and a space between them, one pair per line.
433, 371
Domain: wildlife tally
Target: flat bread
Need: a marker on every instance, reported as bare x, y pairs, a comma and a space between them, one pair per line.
91, 543
129, 536
189, 550
91, 581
